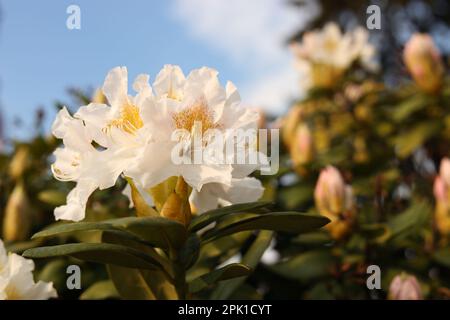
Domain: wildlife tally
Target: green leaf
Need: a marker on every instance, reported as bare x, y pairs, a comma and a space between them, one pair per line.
189, 253
100, 290
406, 142
120, 238
404, 109
140, 284
97, 252
216, 252
251, 259
208, 217
292, 222
305, 267
295, 196
413, 218
19, 247
157, 231
442, 256
312, 238
230, 271
132, 284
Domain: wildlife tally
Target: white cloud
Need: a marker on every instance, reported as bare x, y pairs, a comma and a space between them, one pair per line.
253, 34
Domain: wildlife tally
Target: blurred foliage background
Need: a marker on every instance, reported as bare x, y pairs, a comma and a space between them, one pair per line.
383, 133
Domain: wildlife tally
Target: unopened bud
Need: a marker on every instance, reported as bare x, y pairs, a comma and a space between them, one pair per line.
141, 200
334, 200
330, 192
17, 219
302, 147
440, 190
444, 171
176, 206
423, 60
19, 163
290, 123
405, 287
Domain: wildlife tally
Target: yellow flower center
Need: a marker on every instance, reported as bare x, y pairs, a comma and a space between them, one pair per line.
130, 121
198, 112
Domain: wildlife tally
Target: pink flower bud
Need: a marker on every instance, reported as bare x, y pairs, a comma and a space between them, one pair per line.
423, 60
440, 190
444, 171
302, 147
405, 287
330, 192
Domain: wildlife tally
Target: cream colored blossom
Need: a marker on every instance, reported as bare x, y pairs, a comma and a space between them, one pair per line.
133, 136
119, 132
324, 55
16, 279
195, 102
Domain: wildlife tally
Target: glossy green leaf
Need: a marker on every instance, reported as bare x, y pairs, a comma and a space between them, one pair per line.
230, 271
406, 222
404, 109
140, 284
190, 251
406, 142
157, 231
97, 252
305, 267
216, 252
131, 284
208, 217
292, 222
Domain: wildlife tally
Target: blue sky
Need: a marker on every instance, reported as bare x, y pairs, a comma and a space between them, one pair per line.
40, 58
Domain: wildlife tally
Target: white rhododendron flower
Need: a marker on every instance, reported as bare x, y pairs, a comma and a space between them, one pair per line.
193, 104
118, 129
16, 279
329, 52
138, 136
331, 46
197, 102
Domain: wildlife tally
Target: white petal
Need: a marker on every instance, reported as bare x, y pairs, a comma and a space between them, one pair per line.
3, 257
243, 190
240, 191
197, 175
59, 125
96, 116
232, 93
115, 88
169, 81
41, 291
204, 83
77, 198
204, 200
153, 165
143, 89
